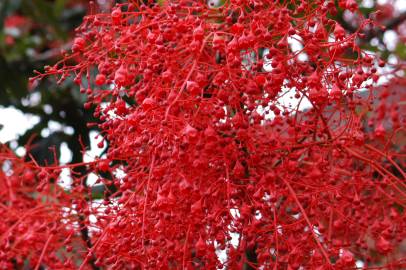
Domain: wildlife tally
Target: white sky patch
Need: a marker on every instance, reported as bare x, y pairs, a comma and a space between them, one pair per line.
20, 151
119, 172
12, 31
94, 151
375, 42
33, 99
15, 123
110, 114
66, 154
391, 39
68, 130
91, 179
296, 216
368, 3
359, 264
393, 60
54, 126
279, 229
98, 212
47, 109
65, 179
386, 71
295, 43
235, 239
45, 132
66, 213
235, 213
221, 254
214, 3
286, 96
267, 61
258, 214
288, 99
399, 5
92, 218
7, 167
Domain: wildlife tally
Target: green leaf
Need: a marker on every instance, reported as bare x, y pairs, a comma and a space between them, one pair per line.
3, 12
161, 2
369, 47
400, 50
43, 12
59, 7
12, 85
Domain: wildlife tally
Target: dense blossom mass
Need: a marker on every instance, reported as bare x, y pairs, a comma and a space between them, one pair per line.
243, 134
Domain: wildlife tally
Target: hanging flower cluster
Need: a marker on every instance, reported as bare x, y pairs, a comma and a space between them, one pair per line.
39, 222
244, 135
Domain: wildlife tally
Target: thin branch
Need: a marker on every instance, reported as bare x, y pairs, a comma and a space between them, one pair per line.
376, 32
37, 267
293, 193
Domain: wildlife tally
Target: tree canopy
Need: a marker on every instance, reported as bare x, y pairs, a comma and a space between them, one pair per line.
237, 134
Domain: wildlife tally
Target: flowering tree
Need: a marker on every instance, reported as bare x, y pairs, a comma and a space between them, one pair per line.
229, 147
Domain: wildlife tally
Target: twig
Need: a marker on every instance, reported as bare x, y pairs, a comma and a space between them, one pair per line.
43, 252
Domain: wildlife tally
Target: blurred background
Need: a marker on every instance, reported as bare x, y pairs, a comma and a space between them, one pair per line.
47, 120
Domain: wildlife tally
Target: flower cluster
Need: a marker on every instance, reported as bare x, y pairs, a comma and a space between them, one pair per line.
240, 130
39, 223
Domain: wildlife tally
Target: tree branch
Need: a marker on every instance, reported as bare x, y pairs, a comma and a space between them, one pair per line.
376, 32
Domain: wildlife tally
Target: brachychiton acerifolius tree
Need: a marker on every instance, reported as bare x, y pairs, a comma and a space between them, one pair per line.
228, 147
